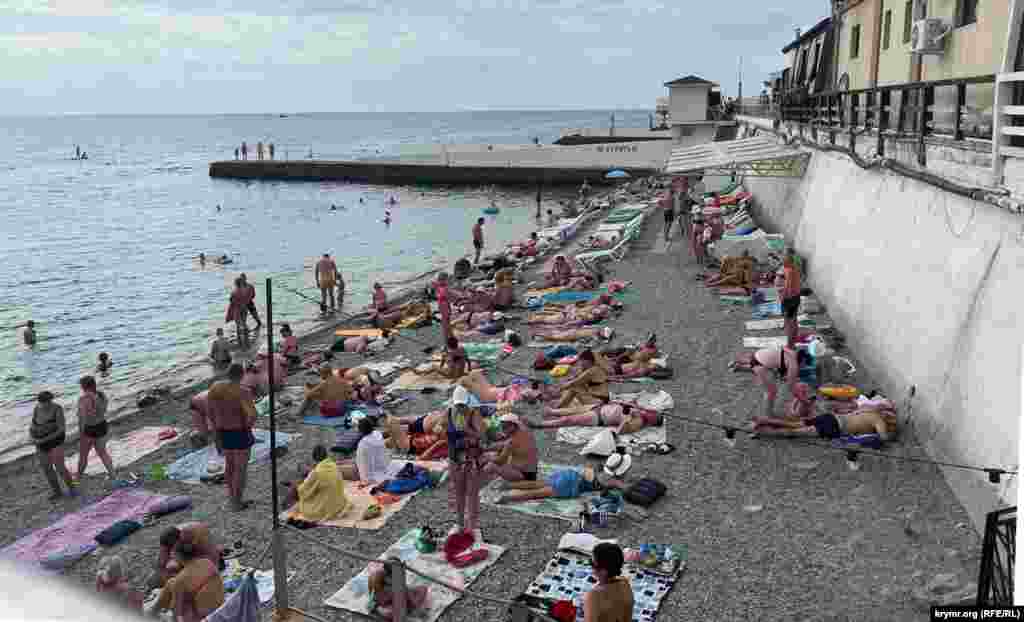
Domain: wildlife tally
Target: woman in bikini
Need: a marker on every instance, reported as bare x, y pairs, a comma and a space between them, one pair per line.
626, 418
768, 364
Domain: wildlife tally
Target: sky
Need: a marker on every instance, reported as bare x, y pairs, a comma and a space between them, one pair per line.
254, 56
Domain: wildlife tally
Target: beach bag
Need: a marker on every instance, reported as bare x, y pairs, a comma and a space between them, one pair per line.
117, 532
402, 486
644, 492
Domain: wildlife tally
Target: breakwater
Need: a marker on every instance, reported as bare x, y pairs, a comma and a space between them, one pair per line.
399, 173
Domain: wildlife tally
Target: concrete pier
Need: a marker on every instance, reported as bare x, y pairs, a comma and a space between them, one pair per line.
392, 172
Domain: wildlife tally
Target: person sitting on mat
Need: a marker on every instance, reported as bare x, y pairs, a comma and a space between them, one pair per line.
194, 533
332, 392
590, 386
517, 459
289, 347
372, 459
561, 273
560, 484
382, 593
626, 418
611, 600
454, 362
195, 592
736, 272
321, 493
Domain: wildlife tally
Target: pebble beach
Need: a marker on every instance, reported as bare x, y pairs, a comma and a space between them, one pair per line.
775, 530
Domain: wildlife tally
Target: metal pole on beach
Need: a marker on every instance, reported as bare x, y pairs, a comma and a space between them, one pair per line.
280, 562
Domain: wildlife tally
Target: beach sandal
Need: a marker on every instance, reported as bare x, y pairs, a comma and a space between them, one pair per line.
662, 449
372, 512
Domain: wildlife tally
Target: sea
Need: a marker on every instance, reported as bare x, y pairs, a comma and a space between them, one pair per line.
102, 252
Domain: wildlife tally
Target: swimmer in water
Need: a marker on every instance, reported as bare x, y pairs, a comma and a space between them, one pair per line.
104, 362
387, 218
30, 333
218, 208
334, 207
202, 259
361, 200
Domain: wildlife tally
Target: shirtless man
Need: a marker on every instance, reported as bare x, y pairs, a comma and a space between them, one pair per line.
234, 415
251, 293
831, 426
326, 276
517, 460
220, 351
401, 429
478, 239
332, 392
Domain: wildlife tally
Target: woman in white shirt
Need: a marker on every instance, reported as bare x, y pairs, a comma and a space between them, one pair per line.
372, 457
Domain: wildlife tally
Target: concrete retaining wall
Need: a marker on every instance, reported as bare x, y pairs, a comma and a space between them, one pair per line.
927, 286
398, 173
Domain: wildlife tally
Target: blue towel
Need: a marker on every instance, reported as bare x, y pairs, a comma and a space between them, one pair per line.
566, 297
242, 606
767, 310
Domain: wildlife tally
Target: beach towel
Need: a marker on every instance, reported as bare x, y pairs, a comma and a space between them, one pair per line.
193, 465
642, 438
777, 323
386, 368
358, 332
124, 450
568, 576
765, 342
564, 509
79, 528
411, 381
735, 300
234, 575
242, 606
660, 401
767, 310
355, 595
352, 413
483, 354
360, 499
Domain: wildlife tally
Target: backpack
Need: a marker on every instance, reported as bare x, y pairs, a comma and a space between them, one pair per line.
644, 492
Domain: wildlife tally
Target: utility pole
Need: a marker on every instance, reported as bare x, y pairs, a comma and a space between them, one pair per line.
739, 89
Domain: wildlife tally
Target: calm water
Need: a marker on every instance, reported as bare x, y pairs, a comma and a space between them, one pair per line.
100, 253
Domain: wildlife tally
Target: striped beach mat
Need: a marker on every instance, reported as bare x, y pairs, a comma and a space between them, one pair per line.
765, 342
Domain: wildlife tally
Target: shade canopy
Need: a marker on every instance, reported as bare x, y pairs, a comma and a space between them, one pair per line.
760, 156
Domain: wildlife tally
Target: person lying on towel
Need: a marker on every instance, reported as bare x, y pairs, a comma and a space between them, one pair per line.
582, 315
321, 493
590, 386
391, 317
194, 533
476, 383
560, 484
802, 420
625, 418
425, 435
566, 335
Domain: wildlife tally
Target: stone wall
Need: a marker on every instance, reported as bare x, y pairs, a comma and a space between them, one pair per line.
927, 287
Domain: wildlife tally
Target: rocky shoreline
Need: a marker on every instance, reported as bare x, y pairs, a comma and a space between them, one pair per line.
775, 530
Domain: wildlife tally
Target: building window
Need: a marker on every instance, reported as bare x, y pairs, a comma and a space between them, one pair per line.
814, 63
908, 20
855, 41
966, 12
887, 29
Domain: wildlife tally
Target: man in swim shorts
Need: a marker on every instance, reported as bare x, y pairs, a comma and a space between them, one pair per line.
234, 414
478, 239
517, 460
326, 275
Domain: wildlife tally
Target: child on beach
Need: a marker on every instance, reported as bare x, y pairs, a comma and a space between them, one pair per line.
220, 352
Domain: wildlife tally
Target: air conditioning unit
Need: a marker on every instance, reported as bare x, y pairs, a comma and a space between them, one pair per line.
928, 36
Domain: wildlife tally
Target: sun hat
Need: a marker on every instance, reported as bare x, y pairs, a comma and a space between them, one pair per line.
617, 464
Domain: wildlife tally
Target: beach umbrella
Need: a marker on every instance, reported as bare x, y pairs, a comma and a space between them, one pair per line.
617, 174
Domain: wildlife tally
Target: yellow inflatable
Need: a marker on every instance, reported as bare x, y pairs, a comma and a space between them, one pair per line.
842, 392
559, 370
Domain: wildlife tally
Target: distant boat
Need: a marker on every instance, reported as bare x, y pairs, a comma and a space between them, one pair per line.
284, 116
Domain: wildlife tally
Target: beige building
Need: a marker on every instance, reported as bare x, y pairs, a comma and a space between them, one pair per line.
691, 110
875, 37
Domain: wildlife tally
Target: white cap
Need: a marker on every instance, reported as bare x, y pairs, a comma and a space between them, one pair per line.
618, 464
460, 396
497, 316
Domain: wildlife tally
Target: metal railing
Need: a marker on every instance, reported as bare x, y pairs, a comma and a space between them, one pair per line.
995, 578
958, 109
